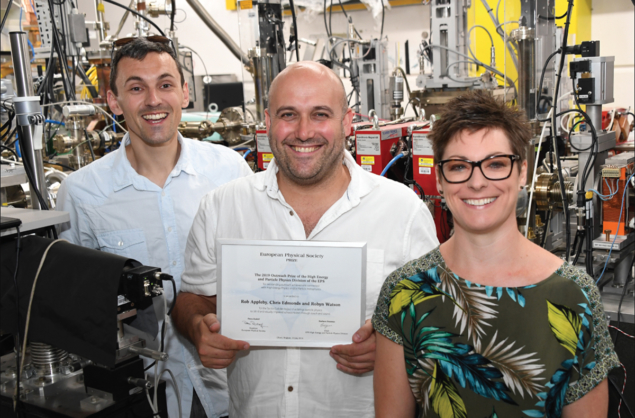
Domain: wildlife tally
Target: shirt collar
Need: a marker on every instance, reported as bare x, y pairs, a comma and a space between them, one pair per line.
361, 183
124, 175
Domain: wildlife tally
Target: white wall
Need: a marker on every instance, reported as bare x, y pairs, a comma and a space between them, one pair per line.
612, 24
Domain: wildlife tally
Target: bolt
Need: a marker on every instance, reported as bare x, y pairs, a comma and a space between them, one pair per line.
607, 233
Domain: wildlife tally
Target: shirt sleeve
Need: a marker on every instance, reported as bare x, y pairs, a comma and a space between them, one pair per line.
199, 276
421, 233
76, 231
381, 321
598, 356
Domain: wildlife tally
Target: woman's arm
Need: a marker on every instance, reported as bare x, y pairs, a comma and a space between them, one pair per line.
393, 396
593, 404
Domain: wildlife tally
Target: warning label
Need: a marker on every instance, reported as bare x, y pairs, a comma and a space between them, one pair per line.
368, 160
368, 144
426, 162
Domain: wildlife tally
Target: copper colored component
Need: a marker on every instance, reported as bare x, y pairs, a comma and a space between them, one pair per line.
607, 233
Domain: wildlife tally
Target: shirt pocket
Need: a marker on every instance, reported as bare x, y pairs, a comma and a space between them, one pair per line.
374, 278
130, 243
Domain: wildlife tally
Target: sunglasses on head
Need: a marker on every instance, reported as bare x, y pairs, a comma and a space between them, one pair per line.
153, 38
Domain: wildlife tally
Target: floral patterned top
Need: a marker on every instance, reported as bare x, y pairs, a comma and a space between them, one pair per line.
483, 351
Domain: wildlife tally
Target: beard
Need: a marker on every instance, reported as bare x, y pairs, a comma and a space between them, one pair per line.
314, 171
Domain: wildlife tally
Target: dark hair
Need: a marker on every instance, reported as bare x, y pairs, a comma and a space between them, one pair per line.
138, 49
478, 110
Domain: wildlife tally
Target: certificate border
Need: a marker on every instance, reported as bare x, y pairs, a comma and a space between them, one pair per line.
221, 242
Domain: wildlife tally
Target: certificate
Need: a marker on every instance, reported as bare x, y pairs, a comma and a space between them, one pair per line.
291, 293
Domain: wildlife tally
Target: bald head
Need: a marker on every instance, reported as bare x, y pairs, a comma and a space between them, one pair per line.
307, 72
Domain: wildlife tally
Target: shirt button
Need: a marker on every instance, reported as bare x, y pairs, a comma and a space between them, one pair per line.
120, 243
162, 193
291, 213
174, 263
290, 388
169, 229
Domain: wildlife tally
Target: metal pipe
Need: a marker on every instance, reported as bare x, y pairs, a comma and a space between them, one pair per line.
30, 148
99, 16
218, 31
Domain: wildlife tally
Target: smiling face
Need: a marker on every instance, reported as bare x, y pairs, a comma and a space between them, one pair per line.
306, 123
150, 97
480, 205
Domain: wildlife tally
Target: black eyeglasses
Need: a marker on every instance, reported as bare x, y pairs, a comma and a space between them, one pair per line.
496, 167
153, 38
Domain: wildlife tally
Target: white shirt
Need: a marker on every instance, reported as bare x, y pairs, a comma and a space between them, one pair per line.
291, 382
114, 209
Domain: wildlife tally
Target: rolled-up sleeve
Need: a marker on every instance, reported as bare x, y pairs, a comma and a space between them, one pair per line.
199, 276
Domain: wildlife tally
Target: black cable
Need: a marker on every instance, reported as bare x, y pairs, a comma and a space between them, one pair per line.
68, 86
383, 15
61, 165
575, 95
295, 31
6, 14
89, 84
172, 15
594, 138
544, 235
17, 306
619, 307
347, 18
90, 145
30, 173
563, 192
619, 392
167, 277
134, 12
542, 79
326, 26
553, 17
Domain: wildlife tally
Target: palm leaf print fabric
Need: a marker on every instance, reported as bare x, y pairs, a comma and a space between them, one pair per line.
482, 351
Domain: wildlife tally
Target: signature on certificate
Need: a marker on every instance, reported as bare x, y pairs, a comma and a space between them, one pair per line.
253, 323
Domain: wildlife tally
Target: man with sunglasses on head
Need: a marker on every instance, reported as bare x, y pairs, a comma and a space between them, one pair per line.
140, 200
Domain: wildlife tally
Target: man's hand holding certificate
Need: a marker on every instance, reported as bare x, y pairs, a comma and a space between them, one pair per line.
288, 293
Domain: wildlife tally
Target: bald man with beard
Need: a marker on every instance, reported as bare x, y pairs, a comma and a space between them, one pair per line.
312, 190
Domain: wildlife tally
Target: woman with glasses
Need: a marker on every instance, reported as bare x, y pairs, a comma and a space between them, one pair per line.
489, 324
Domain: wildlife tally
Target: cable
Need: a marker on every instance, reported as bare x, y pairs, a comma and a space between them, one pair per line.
398, 156
87, 103
90, 145
619, 330
469, 40
246, 154
28, 312
172, 15
17, 307
383, 16
295, 29
114, 3
199, 57
178, 395
542, 76
621, 396
619, 220
533, 180
6, 14
30, 173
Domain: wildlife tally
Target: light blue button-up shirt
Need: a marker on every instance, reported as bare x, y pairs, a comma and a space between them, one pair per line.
112, 208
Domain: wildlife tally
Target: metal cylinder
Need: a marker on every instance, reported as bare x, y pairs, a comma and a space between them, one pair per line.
218, 31
31, 152
262, 69
46, 358
526, 70
78, 110
595, 114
